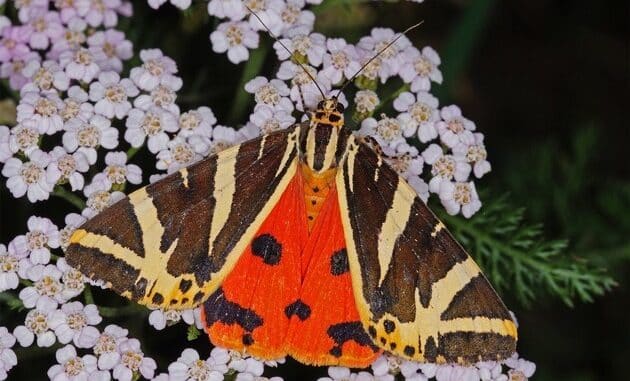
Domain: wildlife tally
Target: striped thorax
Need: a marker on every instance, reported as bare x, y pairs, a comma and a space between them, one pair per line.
322, 144
322, 137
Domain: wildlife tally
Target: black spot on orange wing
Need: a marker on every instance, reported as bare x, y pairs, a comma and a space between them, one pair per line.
299, 309
327, 337
255, 182
248, 339
339, 262
218, 309
348, 331
409, 350
268, 248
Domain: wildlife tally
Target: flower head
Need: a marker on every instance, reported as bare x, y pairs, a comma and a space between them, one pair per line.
74, 322
87, 136
71, 366
153, 125
36, 325
133, 360
29, 177
235, 37
110, 94
156, 69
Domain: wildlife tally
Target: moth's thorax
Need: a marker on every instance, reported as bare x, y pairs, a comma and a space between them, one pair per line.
322, 137
320, 150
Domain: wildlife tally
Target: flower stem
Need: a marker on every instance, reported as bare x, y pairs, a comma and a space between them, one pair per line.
131, 309
131, 152
390, 98
72, 198
11, 300
252, 69
87, 294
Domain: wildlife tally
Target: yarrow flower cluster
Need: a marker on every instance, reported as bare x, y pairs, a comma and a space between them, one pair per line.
80, 121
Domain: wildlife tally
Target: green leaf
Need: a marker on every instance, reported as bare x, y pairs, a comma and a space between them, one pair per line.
193, 333
518, 258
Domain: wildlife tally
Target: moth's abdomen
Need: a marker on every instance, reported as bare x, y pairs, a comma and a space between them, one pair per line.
317, 185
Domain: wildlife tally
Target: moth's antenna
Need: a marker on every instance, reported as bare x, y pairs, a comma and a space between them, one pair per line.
287, 49
376, 55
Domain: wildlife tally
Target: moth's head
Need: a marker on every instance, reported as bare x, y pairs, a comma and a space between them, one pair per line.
331, 105
330, 111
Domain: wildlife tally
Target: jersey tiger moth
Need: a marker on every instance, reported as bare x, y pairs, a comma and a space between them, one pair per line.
302, 242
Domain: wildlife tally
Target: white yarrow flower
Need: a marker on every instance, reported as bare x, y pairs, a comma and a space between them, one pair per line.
421, 110
152, 124
42, 236
454, 128
190, 367
110, 94
29, 177
133, 360
13, 266
106, 346
272, 93
79, 65
8, 359
86, 137
459, 196
43, 109
235, 37
24, 137
74, 322
118, 171
420, 68
36, 325
72, 367
46, 290
156, 69
67, 167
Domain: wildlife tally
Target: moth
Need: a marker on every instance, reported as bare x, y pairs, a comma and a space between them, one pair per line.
302, 242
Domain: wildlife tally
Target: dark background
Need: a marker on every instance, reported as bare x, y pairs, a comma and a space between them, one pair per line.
547, 82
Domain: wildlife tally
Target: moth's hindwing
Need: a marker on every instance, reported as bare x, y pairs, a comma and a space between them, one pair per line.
325, 327
419, 294
171, 244
248, 312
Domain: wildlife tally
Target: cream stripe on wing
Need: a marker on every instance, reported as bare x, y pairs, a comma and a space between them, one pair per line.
155, 261
107, 246
291, 146
443, 291
393, 227
223, 193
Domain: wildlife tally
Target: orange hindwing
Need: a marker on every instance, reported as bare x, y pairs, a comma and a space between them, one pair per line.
247, 313
325, 327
